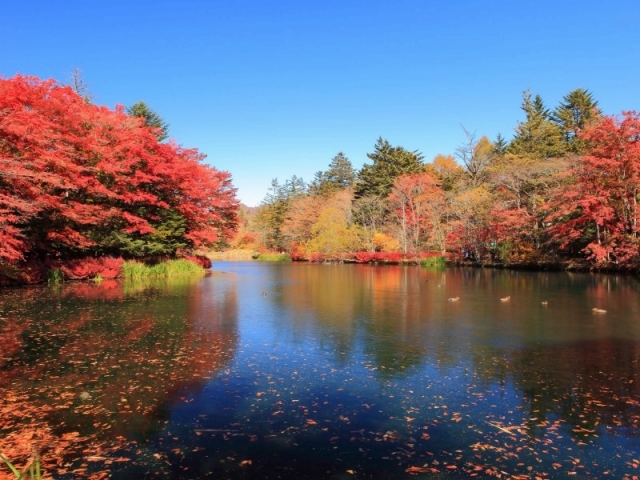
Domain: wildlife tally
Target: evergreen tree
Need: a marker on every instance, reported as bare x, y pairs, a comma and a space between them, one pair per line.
577, 110
339, 176
388, 163
152, 119
538, 136
273, 211
500, 146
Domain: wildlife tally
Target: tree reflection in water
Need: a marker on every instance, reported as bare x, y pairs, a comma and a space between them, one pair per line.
340, 371
88, 369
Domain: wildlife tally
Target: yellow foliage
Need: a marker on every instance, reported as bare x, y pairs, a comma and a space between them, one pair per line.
385, 243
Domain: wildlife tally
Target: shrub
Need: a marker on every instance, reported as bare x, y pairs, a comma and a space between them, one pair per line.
90, 267
433, 261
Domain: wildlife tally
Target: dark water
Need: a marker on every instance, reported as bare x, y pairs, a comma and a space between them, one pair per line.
339, 371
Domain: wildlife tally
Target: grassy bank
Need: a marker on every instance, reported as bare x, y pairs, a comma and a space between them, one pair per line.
171, 268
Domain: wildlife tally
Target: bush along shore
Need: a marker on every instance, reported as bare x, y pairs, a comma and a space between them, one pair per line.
102, 268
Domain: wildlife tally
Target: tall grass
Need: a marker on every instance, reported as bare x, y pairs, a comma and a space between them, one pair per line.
55, 276
438, 262
32, 471
172, 268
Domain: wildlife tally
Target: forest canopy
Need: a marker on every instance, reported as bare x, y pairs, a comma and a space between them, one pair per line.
562, 192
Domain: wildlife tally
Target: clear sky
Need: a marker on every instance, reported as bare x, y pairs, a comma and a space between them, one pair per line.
275, 88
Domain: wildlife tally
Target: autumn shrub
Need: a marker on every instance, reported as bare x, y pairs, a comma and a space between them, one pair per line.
201, 260
385, 243
89, 268
365, 257
244, 240
316, 257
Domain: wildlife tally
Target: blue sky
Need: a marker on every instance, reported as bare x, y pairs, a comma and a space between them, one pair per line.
272, 89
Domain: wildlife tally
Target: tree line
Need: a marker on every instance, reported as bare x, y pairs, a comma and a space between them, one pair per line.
78, 180
563, 191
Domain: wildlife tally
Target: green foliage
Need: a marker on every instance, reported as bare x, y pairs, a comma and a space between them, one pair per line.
273, 211
339, 176
433, 262
32, 471
273, 257
538, 136
388, 164
577, 110
500, 146
135, 270
152, 119
55, 276
166, 239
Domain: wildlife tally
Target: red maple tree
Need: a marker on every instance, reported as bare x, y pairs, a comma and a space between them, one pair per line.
598, 211
78, 179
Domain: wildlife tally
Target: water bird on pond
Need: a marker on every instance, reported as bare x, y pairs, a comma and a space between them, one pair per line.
505, 299
454, 299
545, 303
264, 294
598, 310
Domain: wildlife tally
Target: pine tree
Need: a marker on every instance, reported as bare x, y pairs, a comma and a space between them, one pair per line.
152, 119
388, 163
339, 176
538, 136
577, 110
500, 146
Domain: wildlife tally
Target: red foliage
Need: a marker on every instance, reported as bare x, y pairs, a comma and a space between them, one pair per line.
71, 172
378, 257
599, 207
201, 260
86, 268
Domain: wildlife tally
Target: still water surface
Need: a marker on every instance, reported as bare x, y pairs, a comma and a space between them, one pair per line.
326, 371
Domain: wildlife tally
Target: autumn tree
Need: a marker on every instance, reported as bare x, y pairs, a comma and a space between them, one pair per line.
304, 211
446, 171
274, 209
418, 204
597, 212
475, 156
470, 222
333, 237
370, 213
521, 187
78, 180
151, 119
388, 163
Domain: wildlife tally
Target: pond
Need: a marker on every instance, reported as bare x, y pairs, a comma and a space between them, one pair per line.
307, 371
